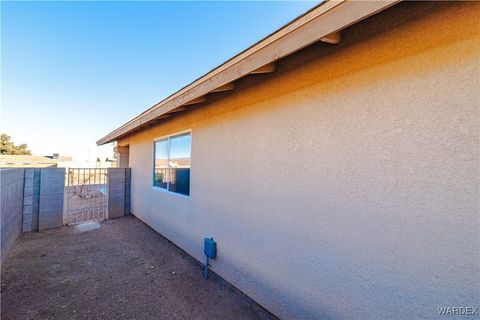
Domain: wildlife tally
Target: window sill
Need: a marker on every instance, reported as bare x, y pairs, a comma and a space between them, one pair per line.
170, 192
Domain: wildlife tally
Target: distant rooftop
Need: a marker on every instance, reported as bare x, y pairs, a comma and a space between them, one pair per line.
26, 161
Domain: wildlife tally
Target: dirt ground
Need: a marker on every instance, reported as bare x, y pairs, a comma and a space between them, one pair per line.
123, 270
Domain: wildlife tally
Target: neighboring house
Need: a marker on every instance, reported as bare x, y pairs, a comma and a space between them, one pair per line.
335, 163
26, 161
108, 163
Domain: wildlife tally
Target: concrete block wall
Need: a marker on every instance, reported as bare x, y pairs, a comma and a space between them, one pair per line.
128, 174
31, 197
11, 195
50, 211
41, 196
118, 192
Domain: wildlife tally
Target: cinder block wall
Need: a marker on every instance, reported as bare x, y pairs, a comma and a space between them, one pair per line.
43, 198
118, 192
50, 211
11, 198
31, 197
32, 200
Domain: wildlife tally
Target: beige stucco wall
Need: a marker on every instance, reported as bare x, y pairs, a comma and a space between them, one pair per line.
345, 185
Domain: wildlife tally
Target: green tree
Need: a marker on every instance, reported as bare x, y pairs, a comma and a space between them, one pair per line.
8, 147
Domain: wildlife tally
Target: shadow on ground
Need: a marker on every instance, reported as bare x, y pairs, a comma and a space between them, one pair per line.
122, 270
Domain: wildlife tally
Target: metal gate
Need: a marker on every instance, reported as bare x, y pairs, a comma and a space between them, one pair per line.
85, 195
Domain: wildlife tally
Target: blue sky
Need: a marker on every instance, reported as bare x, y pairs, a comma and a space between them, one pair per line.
71, 72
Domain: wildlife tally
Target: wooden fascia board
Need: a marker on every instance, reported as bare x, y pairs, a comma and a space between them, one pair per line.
330, 17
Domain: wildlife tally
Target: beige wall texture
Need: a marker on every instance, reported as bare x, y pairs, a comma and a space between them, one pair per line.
346, 184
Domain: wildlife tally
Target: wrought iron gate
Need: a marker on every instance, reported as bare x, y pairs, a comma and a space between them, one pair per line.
85, 195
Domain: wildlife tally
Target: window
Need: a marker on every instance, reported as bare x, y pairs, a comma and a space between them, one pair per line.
172, 163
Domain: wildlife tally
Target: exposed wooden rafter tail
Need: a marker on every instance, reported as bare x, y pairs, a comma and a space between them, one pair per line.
226, 87
268, 68
196, 100
332, 38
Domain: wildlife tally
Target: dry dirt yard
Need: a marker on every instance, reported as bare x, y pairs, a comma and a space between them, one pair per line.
122, 270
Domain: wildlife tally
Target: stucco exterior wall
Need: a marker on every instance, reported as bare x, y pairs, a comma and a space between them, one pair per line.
346, 184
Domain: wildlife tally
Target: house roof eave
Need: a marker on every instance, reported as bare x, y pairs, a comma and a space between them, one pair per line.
327, 18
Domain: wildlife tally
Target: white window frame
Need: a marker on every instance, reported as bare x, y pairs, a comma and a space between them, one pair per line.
165, 137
